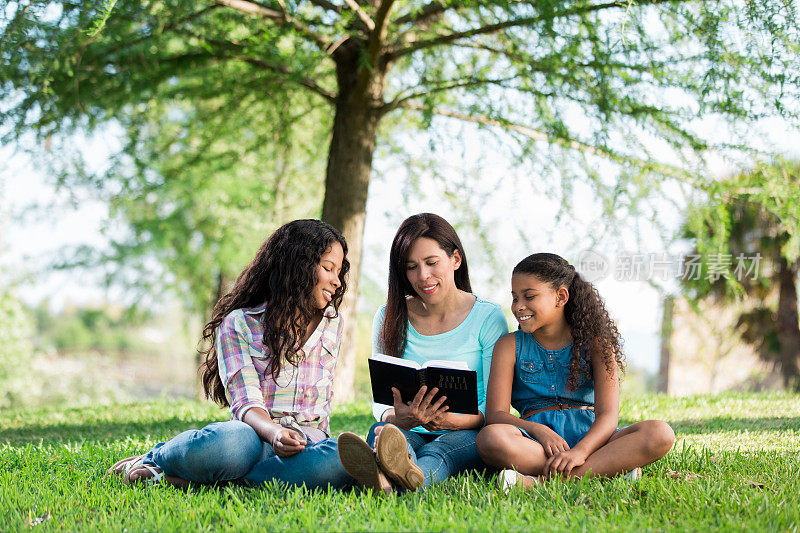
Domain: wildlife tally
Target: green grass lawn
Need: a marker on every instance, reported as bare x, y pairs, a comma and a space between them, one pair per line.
735, 466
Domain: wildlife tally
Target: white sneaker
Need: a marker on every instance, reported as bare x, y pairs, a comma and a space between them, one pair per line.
508, 479
633, 475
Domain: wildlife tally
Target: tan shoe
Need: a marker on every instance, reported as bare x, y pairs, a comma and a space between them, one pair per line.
358, 460
393, 458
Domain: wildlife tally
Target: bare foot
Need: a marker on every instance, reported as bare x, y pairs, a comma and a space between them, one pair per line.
152, 475
528, 482
118, 468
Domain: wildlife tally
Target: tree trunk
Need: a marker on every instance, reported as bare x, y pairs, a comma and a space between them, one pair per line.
666, 347
347, 183
788, 325
224, 286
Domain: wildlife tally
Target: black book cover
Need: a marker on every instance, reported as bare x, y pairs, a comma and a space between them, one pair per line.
459, 385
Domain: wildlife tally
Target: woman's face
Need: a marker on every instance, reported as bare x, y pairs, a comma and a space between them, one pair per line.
536, 304
430, 271
328, 269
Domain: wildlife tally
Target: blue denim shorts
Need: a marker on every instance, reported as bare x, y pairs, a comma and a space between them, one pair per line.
571, 424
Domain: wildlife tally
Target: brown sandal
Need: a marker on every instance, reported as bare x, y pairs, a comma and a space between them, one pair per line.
118, 468
393, 458
358, 460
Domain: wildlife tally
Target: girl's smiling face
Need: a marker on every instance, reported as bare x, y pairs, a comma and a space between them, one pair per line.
536, 304
328, 269
430, 271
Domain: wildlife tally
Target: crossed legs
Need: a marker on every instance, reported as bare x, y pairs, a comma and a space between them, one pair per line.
642, 443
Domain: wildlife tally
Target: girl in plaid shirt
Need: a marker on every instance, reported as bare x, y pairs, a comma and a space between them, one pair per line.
272, 348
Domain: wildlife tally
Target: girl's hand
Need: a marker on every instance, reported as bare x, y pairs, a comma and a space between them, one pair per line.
551, 441
562, 463
287, 442
419, 411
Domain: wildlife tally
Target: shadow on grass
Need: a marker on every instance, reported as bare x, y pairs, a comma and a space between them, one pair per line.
721, 423
97, 431
356, 421
102, 431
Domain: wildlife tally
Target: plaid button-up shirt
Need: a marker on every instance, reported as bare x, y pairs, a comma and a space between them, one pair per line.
303, 392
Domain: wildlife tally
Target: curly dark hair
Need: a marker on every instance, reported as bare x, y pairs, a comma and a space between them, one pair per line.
392, 336
593, 331
282, 275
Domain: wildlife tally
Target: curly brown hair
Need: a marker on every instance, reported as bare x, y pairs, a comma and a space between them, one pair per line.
593, 331
282, 275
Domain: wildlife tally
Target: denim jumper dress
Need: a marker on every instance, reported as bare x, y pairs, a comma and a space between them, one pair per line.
540, 380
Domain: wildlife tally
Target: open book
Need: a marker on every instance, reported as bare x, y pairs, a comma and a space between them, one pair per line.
453, 378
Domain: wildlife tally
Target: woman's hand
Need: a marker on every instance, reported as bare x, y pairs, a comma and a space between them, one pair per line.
287, 442
420, 410
563, 462
443, 421
551, 441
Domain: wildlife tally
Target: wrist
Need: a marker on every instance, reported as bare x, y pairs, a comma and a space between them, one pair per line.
272, 433
402, 423
583, 454
532, 428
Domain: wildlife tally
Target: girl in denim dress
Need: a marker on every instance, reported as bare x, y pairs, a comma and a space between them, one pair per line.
560, 371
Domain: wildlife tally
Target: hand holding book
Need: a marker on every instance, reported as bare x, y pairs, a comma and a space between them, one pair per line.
421, 411
452, 379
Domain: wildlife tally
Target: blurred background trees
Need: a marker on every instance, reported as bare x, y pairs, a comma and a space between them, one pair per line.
235, 116
755, 217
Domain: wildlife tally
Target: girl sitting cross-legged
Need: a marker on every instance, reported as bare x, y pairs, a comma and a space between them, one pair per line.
273, 344
560, 370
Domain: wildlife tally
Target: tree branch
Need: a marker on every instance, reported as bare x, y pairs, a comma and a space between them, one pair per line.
397, 101
535, 135
128, 43
586, 64
252, 8
282, 69
327, 5
361, 14
382, 17
436, 7
494, 28
378, 35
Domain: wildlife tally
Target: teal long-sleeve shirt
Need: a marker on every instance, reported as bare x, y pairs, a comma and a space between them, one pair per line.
472, 342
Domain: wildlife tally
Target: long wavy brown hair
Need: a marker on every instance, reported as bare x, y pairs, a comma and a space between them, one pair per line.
392, 335
282, 275
594, 334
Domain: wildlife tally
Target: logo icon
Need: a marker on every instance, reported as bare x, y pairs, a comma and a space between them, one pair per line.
592, 266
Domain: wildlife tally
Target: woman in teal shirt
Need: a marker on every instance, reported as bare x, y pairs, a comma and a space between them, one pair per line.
430, 313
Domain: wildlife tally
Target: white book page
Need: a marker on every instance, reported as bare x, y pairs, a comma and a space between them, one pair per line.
440, 363
395, 361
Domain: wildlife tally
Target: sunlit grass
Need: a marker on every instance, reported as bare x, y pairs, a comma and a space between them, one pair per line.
736, 465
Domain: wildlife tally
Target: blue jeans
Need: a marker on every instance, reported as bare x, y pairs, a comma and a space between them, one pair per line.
232, 451
440, 456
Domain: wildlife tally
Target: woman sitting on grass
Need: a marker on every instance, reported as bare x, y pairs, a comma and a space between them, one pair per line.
273, 344
430, 313
560, 371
